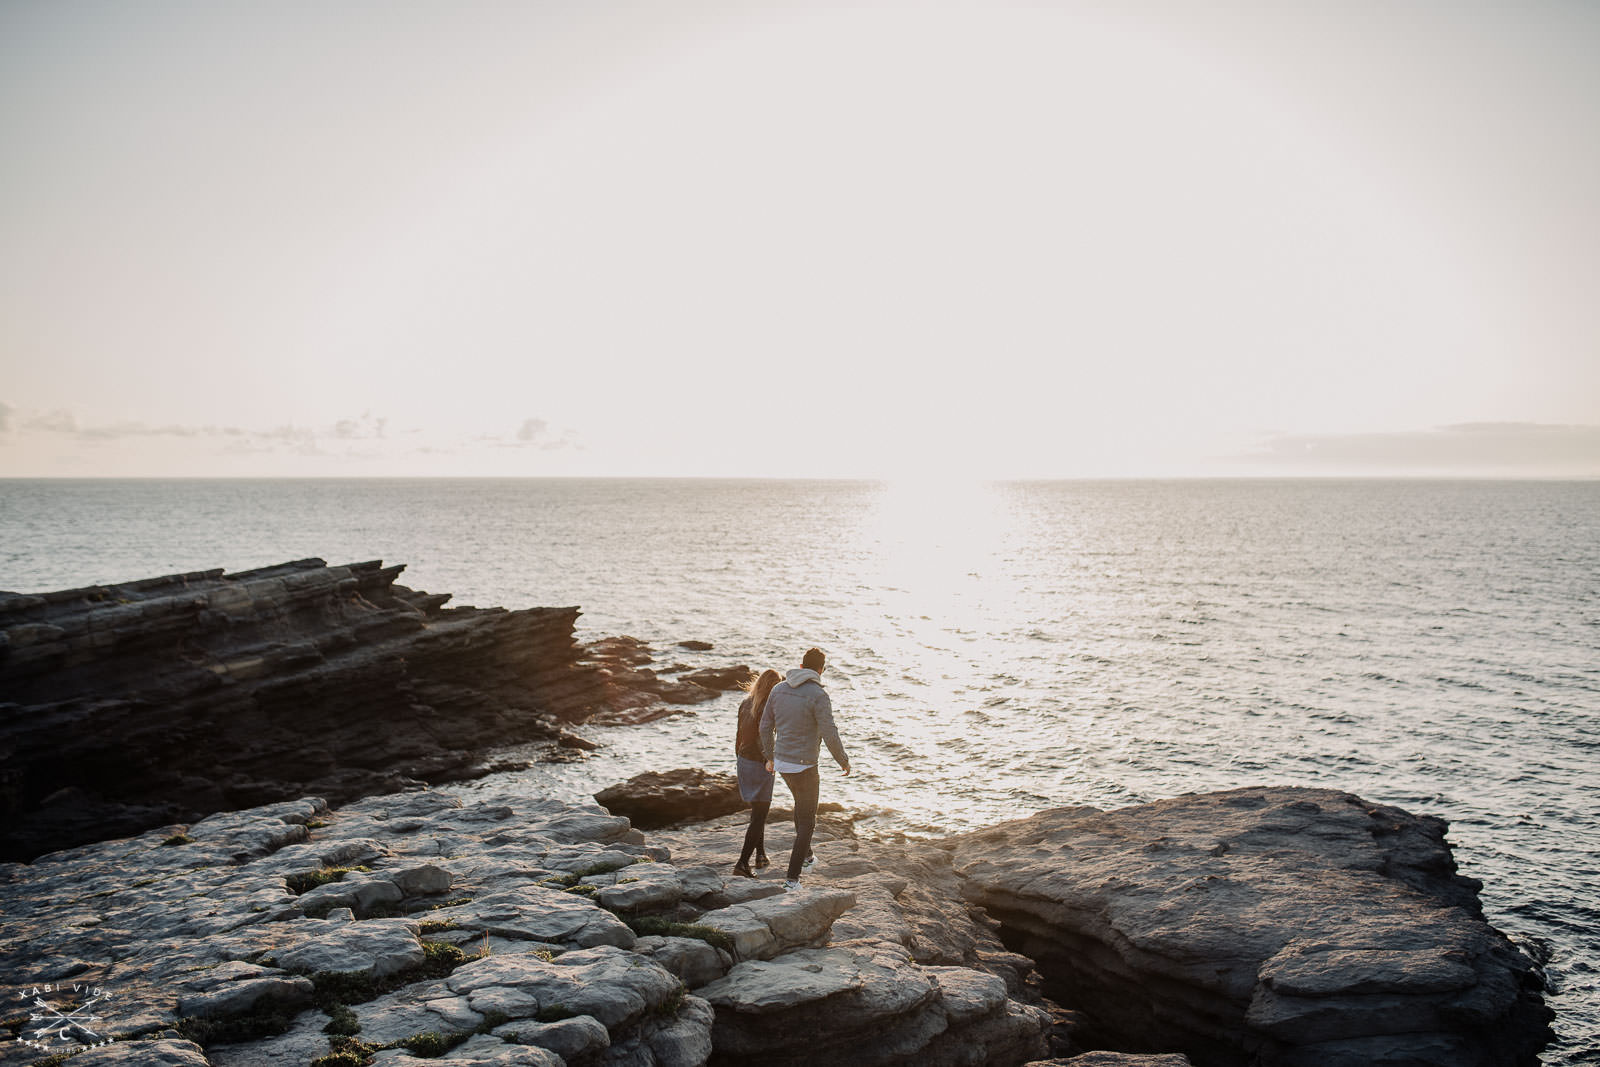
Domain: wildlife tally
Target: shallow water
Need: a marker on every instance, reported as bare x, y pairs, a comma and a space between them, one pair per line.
997, 649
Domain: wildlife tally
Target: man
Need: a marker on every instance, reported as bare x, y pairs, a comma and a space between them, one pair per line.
797, 719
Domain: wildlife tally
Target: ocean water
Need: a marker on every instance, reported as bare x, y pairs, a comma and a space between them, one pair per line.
999, 649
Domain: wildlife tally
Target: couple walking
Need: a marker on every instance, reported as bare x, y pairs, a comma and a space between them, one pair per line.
782, 725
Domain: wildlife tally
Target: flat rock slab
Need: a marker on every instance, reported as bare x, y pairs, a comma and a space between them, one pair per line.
377, 947
535, 913
761, 929
865, 1005
1276, 926
156, 1053
485, 1050
606, 983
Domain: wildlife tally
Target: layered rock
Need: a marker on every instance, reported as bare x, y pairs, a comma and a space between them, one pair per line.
413, 928
1270, 926
128, 706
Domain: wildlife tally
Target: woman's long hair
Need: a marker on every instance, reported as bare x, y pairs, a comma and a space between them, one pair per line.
760, 687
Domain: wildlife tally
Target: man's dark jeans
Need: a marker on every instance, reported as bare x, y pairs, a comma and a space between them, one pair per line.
805, 786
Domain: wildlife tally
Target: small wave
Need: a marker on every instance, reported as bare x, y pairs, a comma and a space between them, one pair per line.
1462, 683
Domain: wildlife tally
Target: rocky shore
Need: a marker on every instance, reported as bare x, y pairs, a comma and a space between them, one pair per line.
282, 884
509, 930
129, 706
1273, 927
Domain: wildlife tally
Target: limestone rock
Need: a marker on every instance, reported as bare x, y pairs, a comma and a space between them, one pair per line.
484, 1050
570, 1039
377, 947
691, 959
661, 798
535, 913
763, 928
644, 887
1271, 926
614, 987
866, 1005
160, 1052
1296, 924
423, 880
244, 995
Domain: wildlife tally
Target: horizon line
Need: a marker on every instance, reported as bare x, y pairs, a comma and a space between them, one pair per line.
884, 479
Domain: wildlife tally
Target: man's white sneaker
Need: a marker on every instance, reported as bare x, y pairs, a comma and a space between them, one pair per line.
790, 885
809, 860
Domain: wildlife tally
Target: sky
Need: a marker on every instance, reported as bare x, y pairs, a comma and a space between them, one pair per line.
760, 238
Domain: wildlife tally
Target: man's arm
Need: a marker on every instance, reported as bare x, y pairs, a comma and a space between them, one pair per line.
823, 711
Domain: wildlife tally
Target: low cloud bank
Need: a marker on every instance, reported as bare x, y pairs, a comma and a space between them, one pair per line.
1504, 448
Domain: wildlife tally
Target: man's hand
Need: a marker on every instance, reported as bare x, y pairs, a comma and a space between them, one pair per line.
845, 770
769, 767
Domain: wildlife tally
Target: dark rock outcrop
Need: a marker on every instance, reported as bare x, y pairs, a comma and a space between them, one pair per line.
663, 798
1278, 927
636, 692
129, 706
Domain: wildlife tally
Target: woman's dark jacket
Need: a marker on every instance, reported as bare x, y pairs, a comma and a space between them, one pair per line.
747, 741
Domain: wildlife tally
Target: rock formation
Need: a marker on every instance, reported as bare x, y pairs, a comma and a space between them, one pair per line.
411, 926
1281, 927
638, 693
660, 798
1263, 926
128, 706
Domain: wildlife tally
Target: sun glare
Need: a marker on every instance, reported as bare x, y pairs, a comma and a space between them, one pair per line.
938, 542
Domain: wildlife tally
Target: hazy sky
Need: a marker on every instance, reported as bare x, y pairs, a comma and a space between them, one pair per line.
761, 238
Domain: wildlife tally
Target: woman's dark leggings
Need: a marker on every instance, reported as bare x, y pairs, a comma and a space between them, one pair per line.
755, 835
805, 787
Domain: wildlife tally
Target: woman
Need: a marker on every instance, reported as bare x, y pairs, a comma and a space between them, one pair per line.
755, 781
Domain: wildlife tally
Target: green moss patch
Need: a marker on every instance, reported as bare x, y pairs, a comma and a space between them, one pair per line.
335, 989
648, 925
342, 1021
431, 1043
603, 867
303, 881
346, 1052
207, 1030
554, 1013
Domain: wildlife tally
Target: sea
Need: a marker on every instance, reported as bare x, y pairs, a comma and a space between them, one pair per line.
995, 649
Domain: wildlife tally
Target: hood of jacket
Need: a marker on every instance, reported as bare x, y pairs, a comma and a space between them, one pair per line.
800, 676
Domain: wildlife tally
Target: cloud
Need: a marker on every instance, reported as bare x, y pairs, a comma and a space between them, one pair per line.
289, 437
538, 434
139, 429
52, 422
364, 428
1520, 448
366, 438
